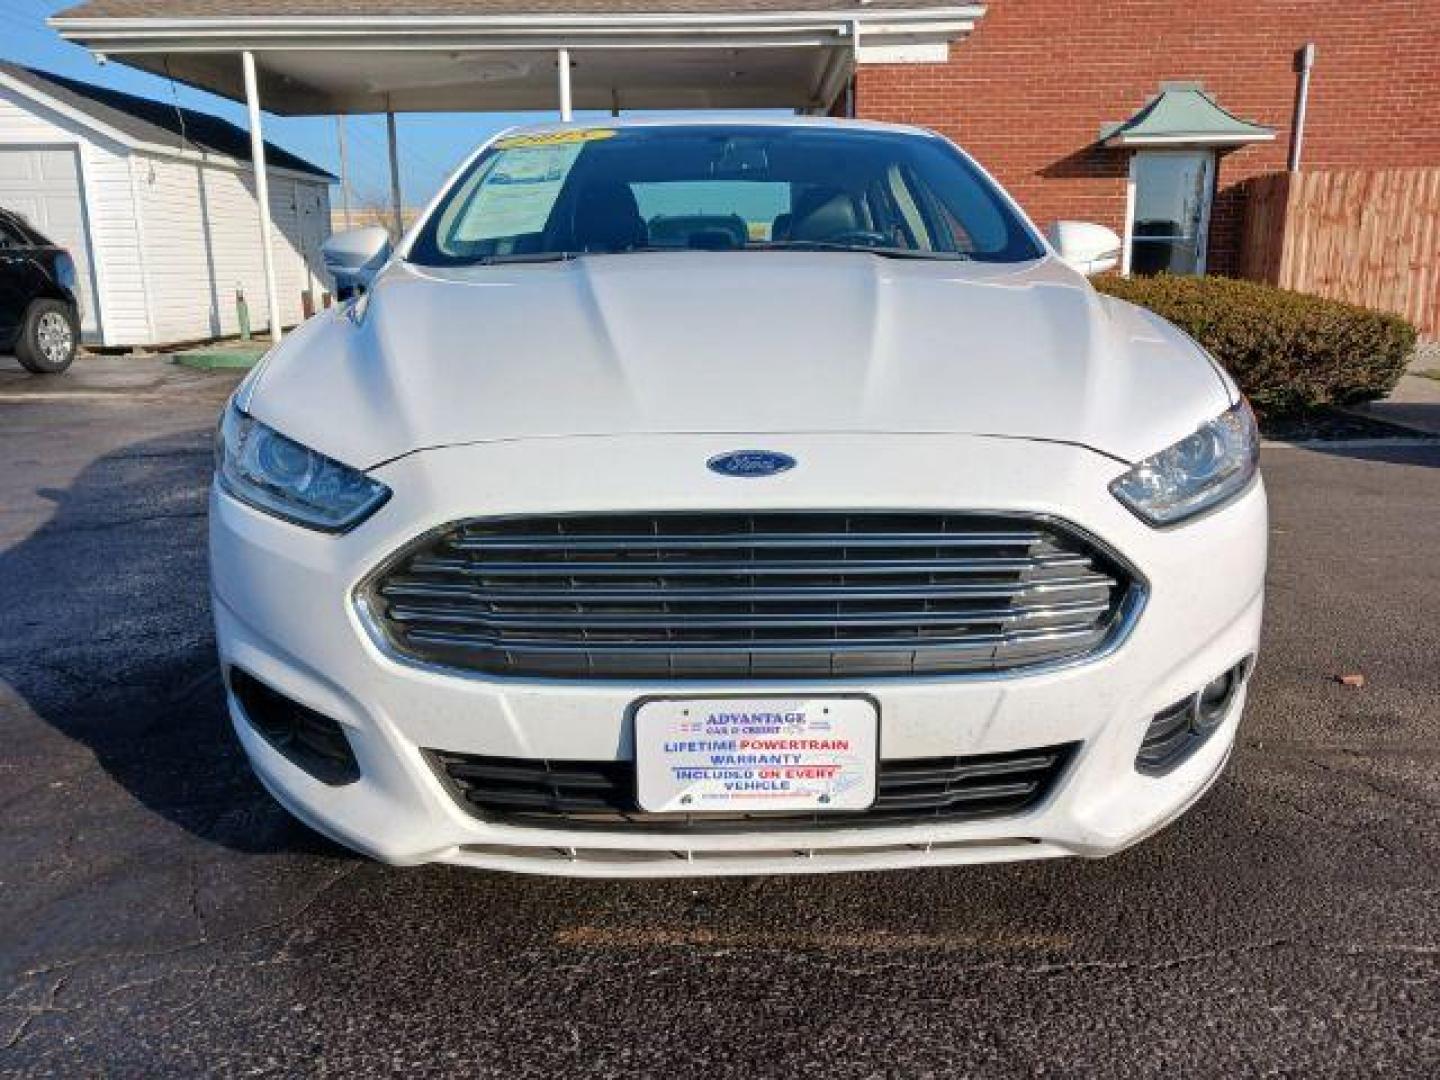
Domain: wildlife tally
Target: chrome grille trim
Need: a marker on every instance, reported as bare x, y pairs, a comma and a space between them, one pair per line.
717, 595
772, 568
757, 540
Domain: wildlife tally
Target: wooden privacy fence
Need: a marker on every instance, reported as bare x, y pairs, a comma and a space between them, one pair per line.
1369, 237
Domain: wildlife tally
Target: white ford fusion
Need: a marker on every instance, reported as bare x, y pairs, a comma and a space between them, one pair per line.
688, 498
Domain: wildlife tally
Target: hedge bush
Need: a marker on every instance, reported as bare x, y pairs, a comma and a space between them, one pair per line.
1288, 351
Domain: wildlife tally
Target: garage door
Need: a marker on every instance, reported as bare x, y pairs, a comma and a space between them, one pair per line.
42, 185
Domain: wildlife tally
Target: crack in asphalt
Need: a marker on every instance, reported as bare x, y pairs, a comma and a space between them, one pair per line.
189, 946
33, 1012
1344, 825
1371, 785
1204, 957
195, 913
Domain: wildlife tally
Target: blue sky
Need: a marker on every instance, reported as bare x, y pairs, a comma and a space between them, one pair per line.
431, 144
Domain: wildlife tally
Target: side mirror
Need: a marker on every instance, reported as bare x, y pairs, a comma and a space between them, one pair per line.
1091, 249
354, 257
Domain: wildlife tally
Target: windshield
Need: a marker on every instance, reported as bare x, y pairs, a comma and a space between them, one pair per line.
559, 194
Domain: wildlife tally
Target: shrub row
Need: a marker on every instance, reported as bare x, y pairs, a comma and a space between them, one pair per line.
1288, 351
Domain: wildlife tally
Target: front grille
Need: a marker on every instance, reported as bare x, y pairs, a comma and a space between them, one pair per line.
753, 596
601, 794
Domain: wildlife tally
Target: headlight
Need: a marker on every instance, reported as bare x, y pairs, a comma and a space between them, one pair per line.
261, 467
1199, 472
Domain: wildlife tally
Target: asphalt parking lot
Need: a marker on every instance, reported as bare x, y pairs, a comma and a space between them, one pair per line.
160, 916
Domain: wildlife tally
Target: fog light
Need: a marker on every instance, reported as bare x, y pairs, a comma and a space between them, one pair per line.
1179, 730
1215, 699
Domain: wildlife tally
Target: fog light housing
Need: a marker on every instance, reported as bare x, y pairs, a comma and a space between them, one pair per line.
306, 738
1214, 701
1178, 730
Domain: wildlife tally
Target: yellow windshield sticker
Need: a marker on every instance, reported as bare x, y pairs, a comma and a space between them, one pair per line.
555, 138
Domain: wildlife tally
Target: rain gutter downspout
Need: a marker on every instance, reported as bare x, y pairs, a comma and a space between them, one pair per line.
1305, 60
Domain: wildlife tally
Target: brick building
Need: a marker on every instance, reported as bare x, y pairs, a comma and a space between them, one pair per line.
1030, 90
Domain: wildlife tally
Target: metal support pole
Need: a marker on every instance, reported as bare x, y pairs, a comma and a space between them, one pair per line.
262, 192
852, 105
396, 204
562, 60
1305, 60
344, 171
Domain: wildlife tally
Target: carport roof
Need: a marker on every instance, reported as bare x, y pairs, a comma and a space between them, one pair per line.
352, 56
198, 9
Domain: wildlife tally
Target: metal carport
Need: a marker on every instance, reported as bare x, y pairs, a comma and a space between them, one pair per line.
302, 57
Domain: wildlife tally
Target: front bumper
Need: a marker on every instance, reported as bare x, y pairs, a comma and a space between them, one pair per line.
284, 612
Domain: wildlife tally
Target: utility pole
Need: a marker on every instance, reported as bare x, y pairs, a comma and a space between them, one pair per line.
344, 169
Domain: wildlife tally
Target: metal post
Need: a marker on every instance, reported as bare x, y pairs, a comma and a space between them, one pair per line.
852, 105
395, 200
262, 192
562, 60
344, 172
1305, 61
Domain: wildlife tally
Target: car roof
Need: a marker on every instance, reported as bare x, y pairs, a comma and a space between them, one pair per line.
721, 119
36, 237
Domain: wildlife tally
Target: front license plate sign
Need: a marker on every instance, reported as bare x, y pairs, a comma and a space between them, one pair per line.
750, 755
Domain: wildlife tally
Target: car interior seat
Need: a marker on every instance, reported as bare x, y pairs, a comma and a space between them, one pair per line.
822, 214
607, 218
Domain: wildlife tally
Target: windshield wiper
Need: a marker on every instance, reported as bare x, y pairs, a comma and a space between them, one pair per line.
562, 256
527, 257
865, 249
518, 257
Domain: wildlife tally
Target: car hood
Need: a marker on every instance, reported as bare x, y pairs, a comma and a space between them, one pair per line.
753, 343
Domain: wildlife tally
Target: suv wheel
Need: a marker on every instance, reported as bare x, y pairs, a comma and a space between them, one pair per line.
47, 341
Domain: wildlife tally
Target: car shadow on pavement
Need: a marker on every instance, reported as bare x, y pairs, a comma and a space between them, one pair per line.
107, 639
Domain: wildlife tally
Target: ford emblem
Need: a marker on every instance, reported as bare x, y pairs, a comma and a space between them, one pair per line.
748, 463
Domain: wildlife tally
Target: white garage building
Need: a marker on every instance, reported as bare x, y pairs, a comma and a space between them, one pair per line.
157, 205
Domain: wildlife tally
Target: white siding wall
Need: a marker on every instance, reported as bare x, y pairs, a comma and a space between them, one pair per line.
178, 260
301, 210
315, 230
116, 246
235, 242
203, 241
114, 238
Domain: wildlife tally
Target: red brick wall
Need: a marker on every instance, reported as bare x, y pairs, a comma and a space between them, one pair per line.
1028, 91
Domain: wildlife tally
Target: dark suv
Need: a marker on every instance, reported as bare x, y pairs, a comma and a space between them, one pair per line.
39, 318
